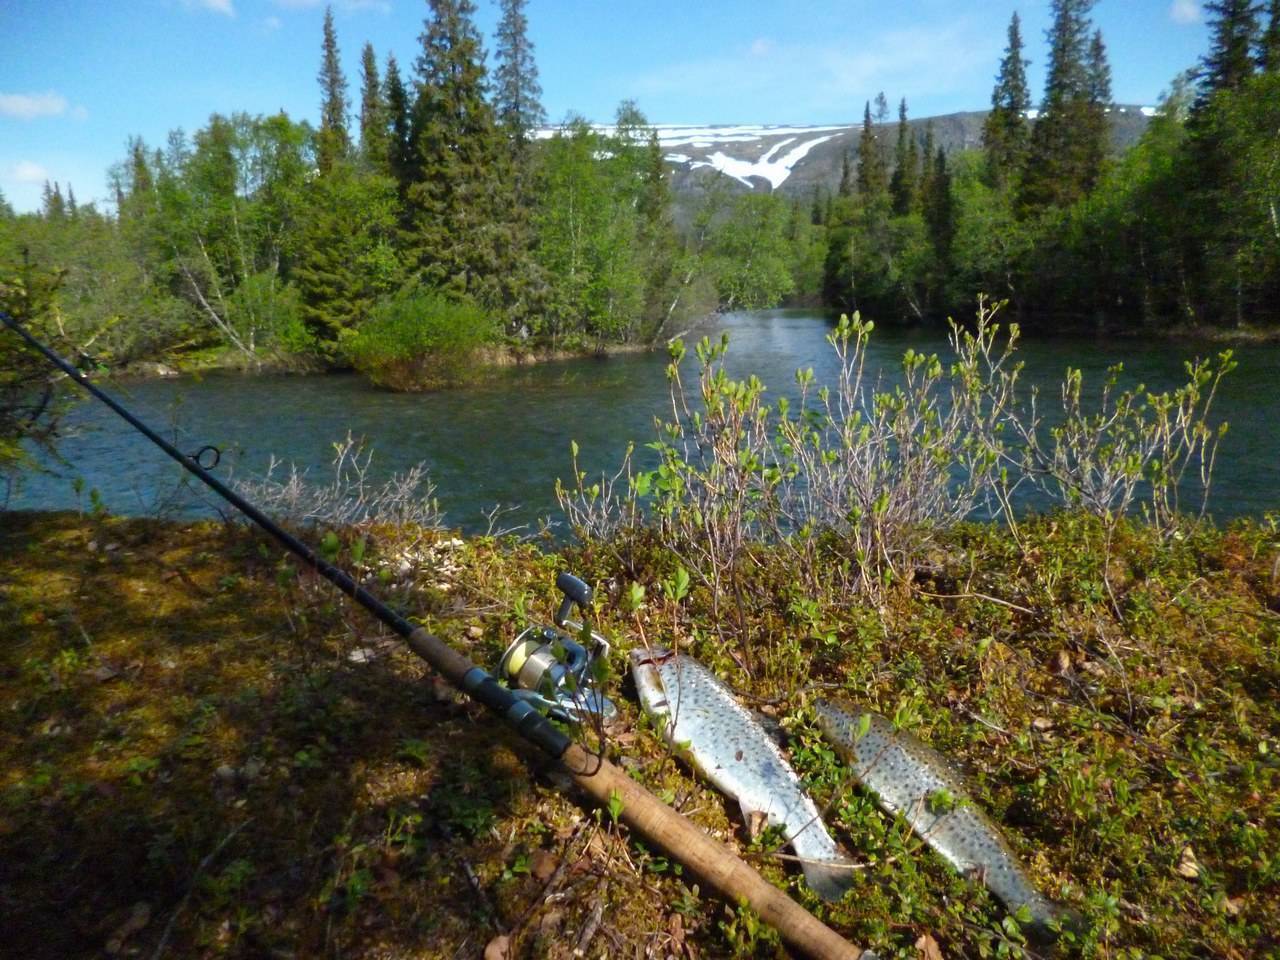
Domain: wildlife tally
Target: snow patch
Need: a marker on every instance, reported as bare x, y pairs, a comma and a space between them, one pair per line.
774, 171
677, 158
1149, 111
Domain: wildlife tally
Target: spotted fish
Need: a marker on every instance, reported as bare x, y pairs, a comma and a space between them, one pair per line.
914, 780
728, 746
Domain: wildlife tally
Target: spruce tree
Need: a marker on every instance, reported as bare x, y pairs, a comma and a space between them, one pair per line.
1063, 141
1005, 131
375, 133
846, 176
333, 141
939, 209
872, 177
517, 94
52, 203
460, 197
902, 186
1269, 45
927, 149
1099, 106
1233, 27
400, 148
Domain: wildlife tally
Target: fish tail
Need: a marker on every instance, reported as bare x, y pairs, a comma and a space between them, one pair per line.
828, 880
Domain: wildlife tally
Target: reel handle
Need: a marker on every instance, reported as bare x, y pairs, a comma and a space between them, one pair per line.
575, 591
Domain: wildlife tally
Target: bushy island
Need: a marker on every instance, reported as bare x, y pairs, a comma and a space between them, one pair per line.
206, 752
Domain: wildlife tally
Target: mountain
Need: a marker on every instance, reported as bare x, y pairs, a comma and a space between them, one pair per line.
793, 160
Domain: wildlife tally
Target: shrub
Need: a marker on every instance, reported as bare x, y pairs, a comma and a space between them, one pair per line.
419, 340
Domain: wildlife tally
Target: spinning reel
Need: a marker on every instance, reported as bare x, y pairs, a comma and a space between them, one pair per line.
553, 671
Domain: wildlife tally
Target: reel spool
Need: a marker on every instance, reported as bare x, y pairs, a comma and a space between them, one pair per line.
553, 671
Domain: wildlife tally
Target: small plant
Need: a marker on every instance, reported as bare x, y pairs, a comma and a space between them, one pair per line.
350, 497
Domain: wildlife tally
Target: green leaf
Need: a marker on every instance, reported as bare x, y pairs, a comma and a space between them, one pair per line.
615, 805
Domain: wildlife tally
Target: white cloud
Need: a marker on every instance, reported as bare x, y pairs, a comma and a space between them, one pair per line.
836, 76
25, 171
761, 47
1184, 11
29, 106
224, 7
271, 24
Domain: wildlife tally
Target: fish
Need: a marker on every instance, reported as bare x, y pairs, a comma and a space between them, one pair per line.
698, 715
912, 779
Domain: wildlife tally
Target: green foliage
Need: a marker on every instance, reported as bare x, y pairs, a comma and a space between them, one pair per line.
346, 256
419, 339
751, 255
31, 406
605, 237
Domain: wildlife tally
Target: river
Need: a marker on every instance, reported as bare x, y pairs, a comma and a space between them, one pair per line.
504, 441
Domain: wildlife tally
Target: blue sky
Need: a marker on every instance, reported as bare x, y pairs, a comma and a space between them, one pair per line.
78, 77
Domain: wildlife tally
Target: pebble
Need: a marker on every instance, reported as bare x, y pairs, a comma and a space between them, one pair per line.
226, 773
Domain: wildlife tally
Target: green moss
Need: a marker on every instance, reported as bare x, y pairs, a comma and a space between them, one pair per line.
185, 728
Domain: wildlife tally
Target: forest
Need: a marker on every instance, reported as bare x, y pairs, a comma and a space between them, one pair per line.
424, 218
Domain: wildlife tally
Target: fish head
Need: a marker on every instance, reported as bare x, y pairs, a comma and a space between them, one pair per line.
845, 722
831, 715
647, 673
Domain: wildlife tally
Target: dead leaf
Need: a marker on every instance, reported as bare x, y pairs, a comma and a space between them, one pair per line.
550, 922
499, 948
1064, 662
542, 865
1233, 906
139, 917
756, 823
104, 672
676, 928
1188, 866
928, 948
1042, 724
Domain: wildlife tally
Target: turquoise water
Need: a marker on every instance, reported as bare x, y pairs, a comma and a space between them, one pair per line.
503, 442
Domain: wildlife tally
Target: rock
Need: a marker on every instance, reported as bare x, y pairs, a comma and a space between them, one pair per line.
226, 773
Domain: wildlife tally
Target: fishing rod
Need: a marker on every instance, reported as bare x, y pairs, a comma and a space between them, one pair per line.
711, 861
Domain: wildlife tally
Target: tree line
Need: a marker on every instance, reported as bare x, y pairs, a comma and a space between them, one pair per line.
265, 237
1180, 230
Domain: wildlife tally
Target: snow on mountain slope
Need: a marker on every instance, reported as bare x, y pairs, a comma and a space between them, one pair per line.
799, 158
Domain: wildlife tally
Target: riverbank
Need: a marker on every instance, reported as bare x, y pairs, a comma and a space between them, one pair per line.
491, 357
206, 751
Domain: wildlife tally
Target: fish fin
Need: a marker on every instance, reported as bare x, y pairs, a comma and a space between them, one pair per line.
756, 821
828, 880
1050, 918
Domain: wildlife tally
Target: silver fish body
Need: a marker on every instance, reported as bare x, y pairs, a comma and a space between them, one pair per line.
912, 779
700, 716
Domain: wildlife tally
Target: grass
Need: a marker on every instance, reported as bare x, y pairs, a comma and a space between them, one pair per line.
192, 761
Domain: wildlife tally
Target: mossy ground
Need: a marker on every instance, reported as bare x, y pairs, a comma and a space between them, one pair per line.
205, 752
